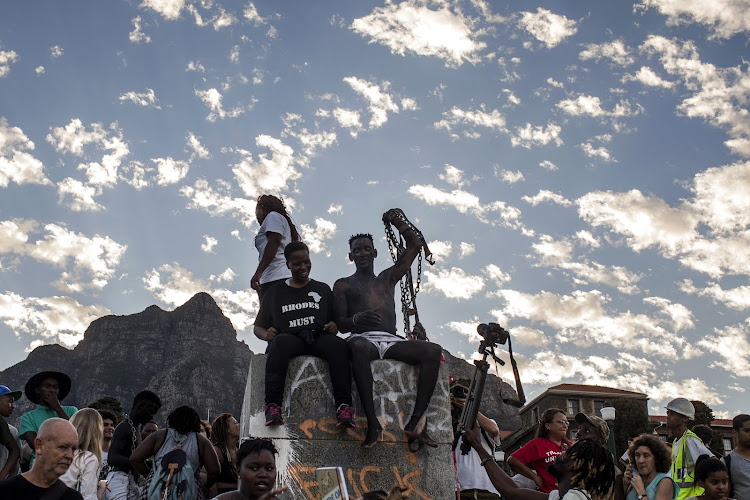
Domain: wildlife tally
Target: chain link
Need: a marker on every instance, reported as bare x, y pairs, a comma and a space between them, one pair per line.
408, 291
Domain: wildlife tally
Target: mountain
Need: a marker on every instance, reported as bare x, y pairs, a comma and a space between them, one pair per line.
189, 356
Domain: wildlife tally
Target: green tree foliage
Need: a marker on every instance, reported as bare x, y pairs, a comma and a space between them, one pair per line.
631, 420
108, 403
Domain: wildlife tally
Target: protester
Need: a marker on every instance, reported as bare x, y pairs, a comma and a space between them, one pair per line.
592, 427
183, 426
47, 389
257, 459
738, 460
585, 471
648, 471
148, 428
472, 479
109, 421
121, 482
711, 475
364, 304
12, 452
686, 448
276, 231
55, 444
296, 318
533, 459
226, 440
83, 473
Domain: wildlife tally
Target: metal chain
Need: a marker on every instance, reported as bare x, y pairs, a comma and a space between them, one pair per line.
396, 247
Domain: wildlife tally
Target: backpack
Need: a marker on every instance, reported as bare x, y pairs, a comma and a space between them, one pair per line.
174, 477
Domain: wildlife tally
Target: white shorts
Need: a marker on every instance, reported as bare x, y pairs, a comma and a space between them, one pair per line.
121, 486
381, 340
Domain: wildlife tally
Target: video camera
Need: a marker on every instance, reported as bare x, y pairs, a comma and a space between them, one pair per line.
493, 333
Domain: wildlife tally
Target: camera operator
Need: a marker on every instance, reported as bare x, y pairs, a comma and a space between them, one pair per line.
474, 482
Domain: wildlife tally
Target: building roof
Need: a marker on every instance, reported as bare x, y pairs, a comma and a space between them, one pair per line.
717, 422
593, 388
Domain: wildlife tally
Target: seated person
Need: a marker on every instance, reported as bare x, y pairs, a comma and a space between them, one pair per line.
364, 305
296, 318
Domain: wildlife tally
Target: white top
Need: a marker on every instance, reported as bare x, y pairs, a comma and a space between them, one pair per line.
471, 475
4, 452
87, 466
274, 223
570, 495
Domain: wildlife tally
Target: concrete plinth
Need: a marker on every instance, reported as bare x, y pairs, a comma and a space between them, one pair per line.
310, 439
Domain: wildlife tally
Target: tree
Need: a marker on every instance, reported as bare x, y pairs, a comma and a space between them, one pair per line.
108, 403
705, 415
631, 420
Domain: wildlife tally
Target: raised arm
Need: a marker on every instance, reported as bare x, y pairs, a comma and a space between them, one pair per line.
413, 244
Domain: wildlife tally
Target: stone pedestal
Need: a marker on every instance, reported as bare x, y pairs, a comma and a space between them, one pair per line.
310, 439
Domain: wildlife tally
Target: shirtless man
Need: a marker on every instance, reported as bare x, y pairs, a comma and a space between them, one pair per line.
364, 305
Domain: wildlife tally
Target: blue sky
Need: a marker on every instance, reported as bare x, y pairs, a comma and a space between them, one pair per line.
580, 170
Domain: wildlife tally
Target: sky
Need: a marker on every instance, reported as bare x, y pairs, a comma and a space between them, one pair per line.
580, 170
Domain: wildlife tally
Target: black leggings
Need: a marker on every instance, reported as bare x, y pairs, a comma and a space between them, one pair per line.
285, 346
425, 355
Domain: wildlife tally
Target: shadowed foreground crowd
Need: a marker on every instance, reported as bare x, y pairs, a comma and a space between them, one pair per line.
74, 454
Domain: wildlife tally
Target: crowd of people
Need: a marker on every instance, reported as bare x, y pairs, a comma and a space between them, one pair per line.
87, 454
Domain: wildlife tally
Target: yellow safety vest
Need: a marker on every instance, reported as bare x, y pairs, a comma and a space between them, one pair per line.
683, 468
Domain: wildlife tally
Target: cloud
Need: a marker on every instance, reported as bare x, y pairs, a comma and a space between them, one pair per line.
615, 51
591, 106
170, 171
411, 26
380, 102
267, 175
212, 98
310, 142
529, 136
454, 283
733, 345
348, 118
441, 250
316, 236
16, 163
199, 150
548, 165
39, 70
218, 202
466, 249
549, 28
145, 99
647, 77
174, 285
209, 243
735, 298
466, 202
718, 95
195, 66
7, 57
475, 118
169, 9
453, 176
47, 320
545, 195
87, 262
336, 209
601, 152
497, 275
511, 177
724, 18
56, 51
138, 36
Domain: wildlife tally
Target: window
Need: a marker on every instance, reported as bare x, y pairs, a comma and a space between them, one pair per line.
598, 405
574, 406
663, 437
727, 445
535, 415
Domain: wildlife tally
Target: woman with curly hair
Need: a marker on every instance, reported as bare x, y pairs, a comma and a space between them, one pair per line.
226, 439
257, 459
276, 231
585, 471
648, 472
83, 473
535, 456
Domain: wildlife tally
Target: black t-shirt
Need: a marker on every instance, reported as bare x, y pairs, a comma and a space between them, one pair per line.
18, 488
293, 310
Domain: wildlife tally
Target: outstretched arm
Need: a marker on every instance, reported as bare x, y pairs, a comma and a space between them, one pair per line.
413, 244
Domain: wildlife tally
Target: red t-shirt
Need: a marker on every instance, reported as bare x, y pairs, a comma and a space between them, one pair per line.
539, 454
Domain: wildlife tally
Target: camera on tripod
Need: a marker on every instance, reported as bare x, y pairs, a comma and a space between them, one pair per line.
493, 334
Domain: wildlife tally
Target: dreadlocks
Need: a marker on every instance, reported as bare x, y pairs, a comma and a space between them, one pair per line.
271, 203
591, 468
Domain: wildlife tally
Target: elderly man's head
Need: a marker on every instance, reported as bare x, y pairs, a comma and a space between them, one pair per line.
55, 444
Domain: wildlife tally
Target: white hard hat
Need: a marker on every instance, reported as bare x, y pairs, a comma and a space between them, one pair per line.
683, 407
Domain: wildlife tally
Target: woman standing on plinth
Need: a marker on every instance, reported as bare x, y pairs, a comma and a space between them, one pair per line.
276, 231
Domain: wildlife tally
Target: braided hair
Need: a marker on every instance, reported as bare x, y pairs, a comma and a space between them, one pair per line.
591, 468
271, 203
